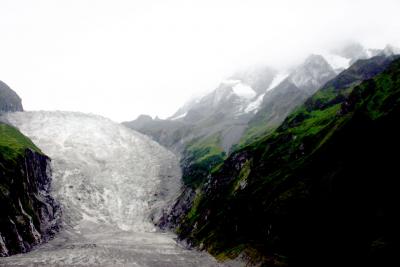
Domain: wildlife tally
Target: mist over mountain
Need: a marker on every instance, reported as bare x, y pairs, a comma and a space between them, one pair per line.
199, 133
238, 149
286, 162
317, 190
251, 97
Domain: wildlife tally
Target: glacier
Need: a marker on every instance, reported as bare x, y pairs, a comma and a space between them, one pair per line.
113, 184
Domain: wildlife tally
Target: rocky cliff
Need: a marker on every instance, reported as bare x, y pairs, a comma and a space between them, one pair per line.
29, 215
9, 100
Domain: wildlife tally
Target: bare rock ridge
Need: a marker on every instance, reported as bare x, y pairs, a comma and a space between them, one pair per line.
9, 100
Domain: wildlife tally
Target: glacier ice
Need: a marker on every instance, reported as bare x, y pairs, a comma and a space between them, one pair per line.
111, 182
103, 172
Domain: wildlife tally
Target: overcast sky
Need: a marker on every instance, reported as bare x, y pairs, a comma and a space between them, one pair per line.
122, 58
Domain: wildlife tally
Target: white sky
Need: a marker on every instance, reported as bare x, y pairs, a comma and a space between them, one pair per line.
122, 58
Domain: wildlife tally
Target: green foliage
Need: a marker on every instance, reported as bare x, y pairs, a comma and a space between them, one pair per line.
254, 132
241, 181
13, 143
314, 121
191, 216
320, 186
22, 171
201, 156
204, 148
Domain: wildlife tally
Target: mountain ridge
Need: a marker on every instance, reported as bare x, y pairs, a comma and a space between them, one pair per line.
9, 100
296, 197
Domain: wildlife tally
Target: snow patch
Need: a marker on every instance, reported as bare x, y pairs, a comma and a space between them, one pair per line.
240, 89
255, 105
179, 116
277, 80
336, 61
243, 90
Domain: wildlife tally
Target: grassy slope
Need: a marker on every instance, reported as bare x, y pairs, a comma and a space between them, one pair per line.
199, 158
13, 143
19, 182
283, 101
317, 187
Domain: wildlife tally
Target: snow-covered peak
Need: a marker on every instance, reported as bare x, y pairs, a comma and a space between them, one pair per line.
314, 71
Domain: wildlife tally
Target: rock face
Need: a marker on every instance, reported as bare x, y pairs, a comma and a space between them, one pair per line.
29, 215
278, 102
9, 100
169, 133
312, 74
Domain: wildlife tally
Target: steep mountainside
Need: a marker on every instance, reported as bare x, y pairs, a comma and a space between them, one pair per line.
9, 100
204, 144
304, 81
29, 215
320, 190
209, 128
281, 101
224, 112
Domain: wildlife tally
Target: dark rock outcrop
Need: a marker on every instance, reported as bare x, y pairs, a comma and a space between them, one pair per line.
29, 215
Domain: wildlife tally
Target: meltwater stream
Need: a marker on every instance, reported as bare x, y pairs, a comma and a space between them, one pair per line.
111, 182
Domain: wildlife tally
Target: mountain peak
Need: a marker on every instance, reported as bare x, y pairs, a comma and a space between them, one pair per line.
315, 59
9, 100
258, 78
314, 72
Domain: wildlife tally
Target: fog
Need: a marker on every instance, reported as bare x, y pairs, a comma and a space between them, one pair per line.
122, 58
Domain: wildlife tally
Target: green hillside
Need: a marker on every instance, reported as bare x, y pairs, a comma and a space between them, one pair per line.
13, 143
321, 186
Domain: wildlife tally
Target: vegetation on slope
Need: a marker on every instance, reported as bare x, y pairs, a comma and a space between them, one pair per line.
28, 213
13, 143
199, 158
287, 97
318, 191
